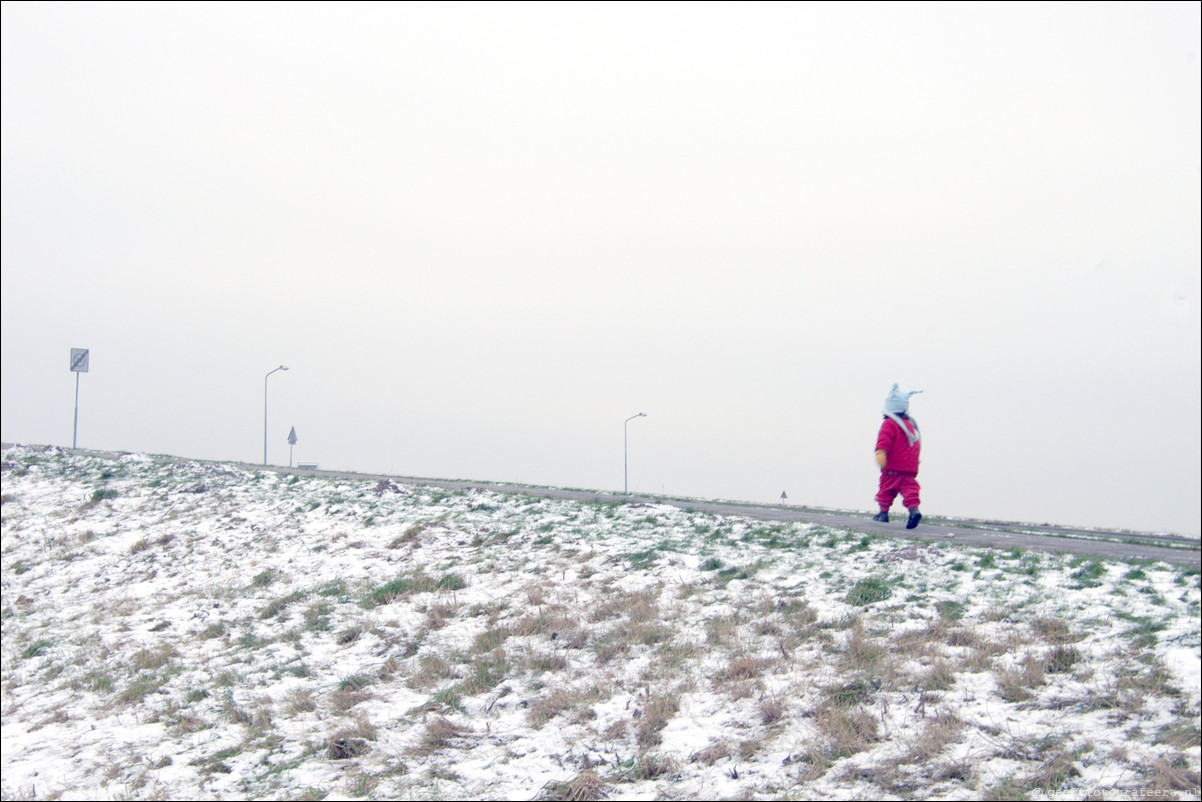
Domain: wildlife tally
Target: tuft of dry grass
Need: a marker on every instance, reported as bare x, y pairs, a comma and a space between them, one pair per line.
351, 691
1055, 772
1054, 630
548, 707
919, 643
941, 676
153, 659
540, 662
1061, 659
651, 767
535, 594
1182, 733
710, 754
772, 710
431, 669
440, 733
722, 630
346, 748
1172, 772
1016, 683
553, 623
955, 770
982, 653
848, 729
744, 668
814, 761
654, 716
610, 645
863, 653
584, 787
487, 672
437, 615
961, 637
299, 701
937, 733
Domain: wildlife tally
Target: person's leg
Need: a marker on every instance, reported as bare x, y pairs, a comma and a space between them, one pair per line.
910, 491
889, 488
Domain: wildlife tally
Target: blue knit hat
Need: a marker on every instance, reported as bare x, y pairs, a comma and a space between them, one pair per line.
898, 402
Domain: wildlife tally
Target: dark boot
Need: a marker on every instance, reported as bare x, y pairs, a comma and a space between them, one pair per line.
882, 516
915, 517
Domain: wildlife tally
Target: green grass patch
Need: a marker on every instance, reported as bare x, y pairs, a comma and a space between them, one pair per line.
335, 587
277, 606
451, 582
99, 495
1143, 633
265, 578
35, 649
727, 575
1089, 574
950, 610
408, 584
863, 544
642, 560
869, 591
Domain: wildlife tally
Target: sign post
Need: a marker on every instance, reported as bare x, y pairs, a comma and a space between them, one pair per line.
79, 364
291, 443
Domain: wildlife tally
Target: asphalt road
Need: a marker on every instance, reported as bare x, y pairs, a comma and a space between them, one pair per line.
1109, 544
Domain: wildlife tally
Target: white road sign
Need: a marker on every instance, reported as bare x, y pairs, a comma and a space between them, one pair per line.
79, 360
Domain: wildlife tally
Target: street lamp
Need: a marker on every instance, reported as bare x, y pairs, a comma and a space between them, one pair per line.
281, 367
626, 452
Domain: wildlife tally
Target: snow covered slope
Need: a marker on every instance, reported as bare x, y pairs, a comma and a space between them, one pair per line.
207, 631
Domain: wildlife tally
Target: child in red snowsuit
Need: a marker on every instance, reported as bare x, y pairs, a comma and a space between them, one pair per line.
898, 445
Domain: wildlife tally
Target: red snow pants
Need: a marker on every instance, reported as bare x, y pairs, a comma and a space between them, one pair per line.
894, 482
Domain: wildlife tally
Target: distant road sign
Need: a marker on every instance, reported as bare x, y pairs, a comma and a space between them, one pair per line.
292, 437
79, 360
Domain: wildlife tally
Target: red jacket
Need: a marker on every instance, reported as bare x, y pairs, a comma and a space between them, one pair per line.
899, 454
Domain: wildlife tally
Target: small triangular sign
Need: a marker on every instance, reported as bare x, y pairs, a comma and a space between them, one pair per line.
782, 495
292, 437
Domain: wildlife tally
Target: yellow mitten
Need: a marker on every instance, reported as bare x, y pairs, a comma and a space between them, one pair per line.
880, 459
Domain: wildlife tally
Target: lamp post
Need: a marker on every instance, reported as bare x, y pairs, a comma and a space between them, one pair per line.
281, 367
626, 452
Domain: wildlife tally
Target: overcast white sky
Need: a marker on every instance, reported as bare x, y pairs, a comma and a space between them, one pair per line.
483, 235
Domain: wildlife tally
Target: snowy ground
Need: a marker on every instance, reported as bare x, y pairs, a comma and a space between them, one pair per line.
206, 631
